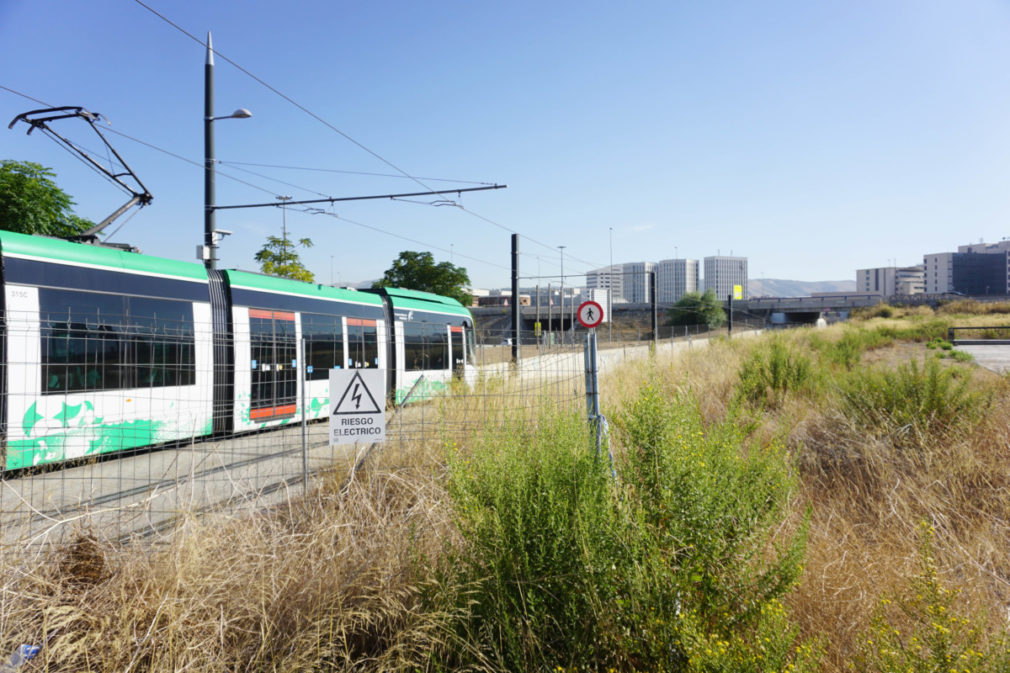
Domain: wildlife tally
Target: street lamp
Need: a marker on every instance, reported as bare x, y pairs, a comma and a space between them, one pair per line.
562, 248
209, 251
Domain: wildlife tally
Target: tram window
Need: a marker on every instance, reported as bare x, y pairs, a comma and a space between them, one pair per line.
107, 342
362, 344
414, 347
425, 346
438, 346
161, 335
324, 344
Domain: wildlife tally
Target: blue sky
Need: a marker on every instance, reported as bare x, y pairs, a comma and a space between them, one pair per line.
812, 137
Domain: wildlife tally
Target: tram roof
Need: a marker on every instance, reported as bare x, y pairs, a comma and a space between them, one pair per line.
58, 250
265, 283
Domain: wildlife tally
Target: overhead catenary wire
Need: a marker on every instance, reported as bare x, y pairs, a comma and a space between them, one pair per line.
350, 172
336, 130
320, 211
327, 199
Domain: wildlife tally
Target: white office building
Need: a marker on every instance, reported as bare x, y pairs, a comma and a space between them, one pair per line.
722, 273
675, 278
888, 281
608, 278
636, 281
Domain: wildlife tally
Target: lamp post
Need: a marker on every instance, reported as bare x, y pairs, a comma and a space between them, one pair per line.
209, 253
562, 248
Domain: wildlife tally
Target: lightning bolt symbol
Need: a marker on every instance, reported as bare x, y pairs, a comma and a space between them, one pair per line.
356, 396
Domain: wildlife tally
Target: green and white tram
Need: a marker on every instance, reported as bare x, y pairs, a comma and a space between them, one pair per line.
106, 350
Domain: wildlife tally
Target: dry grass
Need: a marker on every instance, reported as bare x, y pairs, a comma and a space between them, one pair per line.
332, 582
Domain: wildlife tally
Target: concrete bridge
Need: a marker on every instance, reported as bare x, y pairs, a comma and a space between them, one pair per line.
765, 310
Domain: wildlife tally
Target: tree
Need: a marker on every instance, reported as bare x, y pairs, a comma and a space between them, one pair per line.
31, 203
277, 257
697, 309
418, 271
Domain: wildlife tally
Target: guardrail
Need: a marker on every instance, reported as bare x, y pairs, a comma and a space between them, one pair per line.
991, 334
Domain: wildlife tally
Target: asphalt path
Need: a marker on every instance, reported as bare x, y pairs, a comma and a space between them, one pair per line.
995, 357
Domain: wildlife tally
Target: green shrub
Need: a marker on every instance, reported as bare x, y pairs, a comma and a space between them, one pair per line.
542, 530
961, 356
912, 403
670, 567
767, 376
922, 631
938, 342
709, 510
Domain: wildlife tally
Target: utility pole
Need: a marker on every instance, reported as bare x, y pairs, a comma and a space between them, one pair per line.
515, 299
209, 236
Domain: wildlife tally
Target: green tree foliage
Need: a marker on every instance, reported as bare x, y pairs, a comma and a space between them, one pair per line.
31, 203
278, 257
418, 271
697, 309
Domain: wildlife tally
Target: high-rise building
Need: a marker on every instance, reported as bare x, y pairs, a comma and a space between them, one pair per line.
636, 281
722, 273
608, 278
938, 276
675, 278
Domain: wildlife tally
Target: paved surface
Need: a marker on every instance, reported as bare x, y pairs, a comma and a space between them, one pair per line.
995, 357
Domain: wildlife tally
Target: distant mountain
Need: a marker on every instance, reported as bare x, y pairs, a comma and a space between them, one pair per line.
776, 287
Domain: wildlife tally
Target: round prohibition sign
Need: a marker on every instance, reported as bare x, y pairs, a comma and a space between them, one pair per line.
590, 314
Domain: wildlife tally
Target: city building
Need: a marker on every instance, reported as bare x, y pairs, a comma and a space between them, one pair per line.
608, 278
939, 272
722, 273
888, 281
675, 278
636, 281
985, 273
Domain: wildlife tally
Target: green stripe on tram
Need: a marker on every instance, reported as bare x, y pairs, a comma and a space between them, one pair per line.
77, 253
255, 281
425, 301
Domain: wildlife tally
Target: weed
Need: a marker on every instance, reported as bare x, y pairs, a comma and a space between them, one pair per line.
770, 373
921, 631
912, 404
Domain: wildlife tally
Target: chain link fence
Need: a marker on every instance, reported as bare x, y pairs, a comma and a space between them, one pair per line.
113, 430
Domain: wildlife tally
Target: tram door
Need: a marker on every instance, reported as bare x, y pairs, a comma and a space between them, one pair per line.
274, 364
457, 350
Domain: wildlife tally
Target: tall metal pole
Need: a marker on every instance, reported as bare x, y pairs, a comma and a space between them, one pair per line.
562, 248
655, 308
539, 329
610, 290
209, 237
284, 222
729, 302
515, 298
550, 312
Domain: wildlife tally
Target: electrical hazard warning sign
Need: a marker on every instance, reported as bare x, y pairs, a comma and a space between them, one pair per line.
357, 406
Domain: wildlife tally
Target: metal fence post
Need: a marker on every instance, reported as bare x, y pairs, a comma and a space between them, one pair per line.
305, 426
